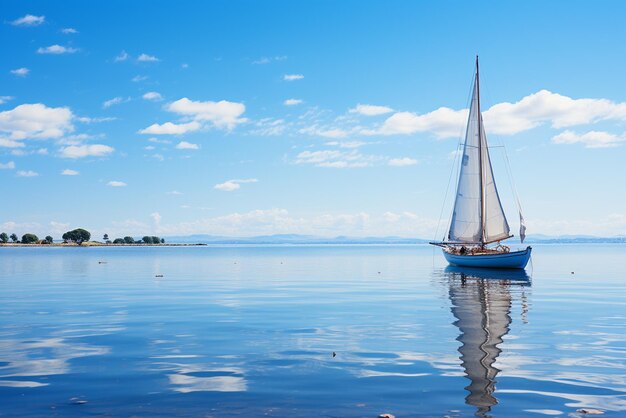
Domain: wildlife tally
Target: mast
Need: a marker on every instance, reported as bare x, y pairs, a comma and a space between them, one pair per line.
480, 159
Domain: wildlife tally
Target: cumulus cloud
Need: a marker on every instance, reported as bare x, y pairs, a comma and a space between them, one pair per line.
231, 185
4, 99
69, 31
187, 145
292, 102
402, 162
123, 56
56, 50
152, 95
169, 128
591, 139
138, 78
27, 173
115, 183
543, 107
222, 114
371, 110
114, 101
35, 121
7, 166
68, 172
20, 72
81, 151
269, 126
292, 77
29, 20
147, 58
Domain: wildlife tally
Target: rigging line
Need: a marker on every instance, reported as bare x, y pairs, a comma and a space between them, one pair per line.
511, 181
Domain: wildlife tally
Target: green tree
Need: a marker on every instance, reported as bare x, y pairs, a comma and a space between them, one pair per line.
147, 239
13, 237
4, 238
119, 241
129, 240
162, 240
77, 235
49, 239
29, 238
156, 240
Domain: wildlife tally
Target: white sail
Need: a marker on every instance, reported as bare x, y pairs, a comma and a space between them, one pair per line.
478, 216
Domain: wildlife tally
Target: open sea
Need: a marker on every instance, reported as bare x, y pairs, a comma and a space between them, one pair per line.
309, 331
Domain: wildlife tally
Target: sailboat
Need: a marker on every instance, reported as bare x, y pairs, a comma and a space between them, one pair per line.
478, 219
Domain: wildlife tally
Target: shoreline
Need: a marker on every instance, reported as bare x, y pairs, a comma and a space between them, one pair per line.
98, 244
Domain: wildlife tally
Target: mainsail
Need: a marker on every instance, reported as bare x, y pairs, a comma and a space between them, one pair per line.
478, 217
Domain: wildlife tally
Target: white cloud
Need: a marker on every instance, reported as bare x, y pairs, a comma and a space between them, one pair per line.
292, 77
543, 107
280, 221
402, 162
7, 166
4, 99
81, 151
152, 95
231, 185
159, 141
169, 128
20, 72
591, 139
69, 30
222, 114
315, 130
149, 148
147, 58
371, 110
138, 78
29, 20
114, 101
174, 193
28, 173
187, 145
443, 122
184, 66
292, 102
123, 56
68, 172
10, 143
337, 159
36, 121
156, 218
269, 126
86, 119
346, 144
267, 60
57, 50
115, 183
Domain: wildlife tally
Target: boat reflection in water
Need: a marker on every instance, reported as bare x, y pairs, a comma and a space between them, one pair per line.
481, 303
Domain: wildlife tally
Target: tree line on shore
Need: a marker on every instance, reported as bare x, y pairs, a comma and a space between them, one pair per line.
78, 236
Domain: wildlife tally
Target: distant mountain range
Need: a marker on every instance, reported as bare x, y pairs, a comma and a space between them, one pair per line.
296, 239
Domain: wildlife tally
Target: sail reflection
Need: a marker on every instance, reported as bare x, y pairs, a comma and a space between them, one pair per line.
481, 303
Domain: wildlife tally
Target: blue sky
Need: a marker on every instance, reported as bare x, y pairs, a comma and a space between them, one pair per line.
316, 117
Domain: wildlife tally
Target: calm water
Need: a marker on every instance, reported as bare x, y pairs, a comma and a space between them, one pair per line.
252, 331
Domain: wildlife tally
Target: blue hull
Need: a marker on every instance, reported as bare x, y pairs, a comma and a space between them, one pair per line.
512, 260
